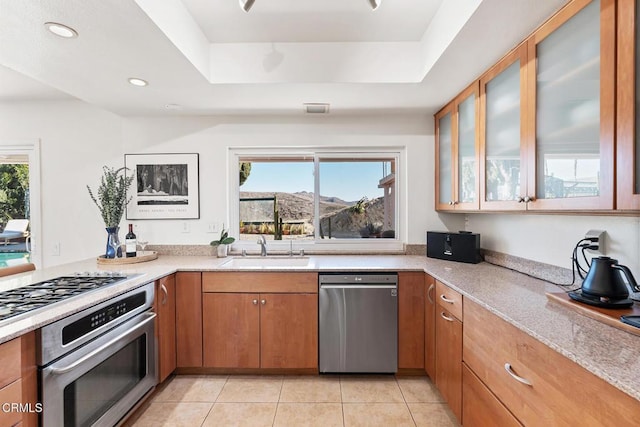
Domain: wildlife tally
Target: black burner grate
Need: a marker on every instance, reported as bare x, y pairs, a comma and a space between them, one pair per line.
31, 297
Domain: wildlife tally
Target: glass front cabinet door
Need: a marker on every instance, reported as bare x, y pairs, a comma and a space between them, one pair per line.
502, 134
571, 75
628, 98
457, 153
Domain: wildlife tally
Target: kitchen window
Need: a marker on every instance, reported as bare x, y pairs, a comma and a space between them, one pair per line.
327, 199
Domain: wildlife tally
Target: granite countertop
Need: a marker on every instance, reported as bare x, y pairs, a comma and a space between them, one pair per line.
609, 353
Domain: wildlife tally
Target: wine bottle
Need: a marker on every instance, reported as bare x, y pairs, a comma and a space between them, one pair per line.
130, 242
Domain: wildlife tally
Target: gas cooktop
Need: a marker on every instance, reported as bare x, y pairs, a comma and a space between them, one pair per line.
28, 298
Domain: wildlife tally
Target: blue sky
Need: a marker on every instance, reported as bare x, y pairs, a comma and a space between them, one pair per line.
347, 180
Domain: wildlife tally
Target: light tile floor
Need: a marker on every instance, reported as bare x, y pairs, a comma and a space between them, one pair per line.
213, 400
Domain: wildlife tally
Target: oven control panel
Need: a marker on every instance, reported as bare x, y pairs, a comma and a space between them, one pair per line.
102, 316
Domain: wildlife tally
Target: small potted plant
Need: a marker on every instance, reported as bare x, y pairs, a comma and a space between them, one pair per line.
222, 244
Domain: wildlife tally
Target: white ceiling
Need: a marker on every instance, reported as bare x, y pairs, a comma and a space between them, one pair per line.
222, 21
210, 57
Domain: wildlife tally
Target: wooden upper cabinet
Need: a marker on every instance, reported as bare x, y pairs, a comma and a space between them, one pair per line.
570, 109
628, 96
457, 153
503, 133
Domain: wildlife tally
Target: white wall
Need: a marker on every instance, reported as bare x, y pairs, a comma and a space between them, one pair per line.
551, 238
78, 139
211, 137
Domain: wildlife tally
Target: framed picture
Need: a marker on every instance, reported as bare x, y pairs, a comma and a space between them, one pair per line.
166, 186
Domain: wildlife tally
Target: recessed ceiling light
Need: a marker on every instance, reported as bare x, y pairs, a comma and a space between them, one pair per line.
173, 106
138, 82
61, 30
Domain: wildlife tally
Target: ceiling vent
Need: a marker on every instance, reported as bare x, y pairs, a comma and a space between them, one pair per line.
316, 108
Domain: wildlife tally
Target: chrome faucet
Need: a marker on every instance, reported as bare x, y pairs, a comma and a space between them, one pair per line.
263, 245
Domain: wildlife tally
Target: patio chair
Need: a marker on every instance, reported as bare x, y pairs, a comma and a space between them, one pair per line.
16, 229
8, 271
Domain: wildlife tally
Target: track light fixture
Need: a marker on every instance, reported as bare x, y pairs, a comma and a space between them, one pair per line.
246, 4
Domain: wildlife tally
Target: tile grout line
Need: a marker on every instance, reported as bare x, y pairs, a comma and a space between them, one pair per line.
341, 401
405, 401
275, 414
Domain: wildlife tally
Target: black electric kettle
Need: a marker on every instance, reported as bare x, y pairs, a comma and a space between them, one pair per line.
605, 284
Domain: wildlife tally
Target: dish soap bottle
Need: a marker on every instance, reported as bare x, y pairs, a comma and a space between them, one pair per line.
130, 242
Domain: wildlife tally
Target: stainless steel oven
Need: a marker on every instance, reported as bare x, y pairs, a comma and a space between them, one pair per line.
96, 364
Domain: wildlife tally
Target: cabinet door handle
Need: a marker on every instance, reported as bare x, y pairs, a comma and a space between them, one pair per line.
520, 199
255, 302
451, 203
507, 367
263, 302
445, 317
447, 300
528, 199
166, 294
430, 292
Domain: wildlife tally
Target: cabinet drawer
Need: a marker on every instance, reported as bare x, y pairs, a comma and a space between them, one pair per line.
8, 395
275, 282
449, 299
10, 353
480, 408
557, 391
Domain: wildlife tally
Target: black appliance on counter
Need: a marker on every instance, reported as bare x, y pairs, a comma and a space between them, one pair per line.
605, 284
463, 246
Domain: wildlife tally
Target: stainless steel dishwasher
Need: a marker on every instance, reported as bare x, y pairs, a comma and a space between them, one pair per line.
358, 322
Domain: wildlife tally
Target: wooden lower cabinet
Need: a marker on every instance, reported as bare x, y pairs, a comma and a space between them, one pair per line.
250, 330
289, 331
231, 330
449, 359
166, 325
189, 319
410, 320
430, 327
480, 408
18, 381
538, 385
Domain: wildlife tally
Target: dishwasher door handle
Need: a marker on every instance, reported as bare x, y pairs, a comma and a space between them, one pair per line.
358, 286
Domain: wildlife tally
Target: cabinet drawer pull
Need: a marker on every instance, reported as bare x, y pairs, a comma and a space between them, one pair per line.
507, 367
447, 300
255, 302
263, 302
166, 294
430, 292
445, 317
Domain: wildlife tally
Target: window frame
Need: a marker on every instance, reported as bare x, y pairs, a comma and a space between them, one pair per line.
317, 245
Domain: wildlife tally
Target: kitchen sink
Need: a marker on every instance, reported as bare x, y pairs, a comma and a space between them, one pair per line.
259, 262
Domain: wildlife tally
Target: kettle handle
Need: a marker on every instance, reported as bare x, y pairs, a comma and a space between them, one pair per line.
632, 281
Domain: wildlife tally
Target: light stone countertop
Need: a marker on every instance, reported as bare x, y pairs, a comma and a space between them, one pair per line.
609, 353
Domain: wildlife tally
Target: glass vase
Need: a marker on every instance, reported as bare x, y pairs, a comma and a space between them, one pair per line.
113, 242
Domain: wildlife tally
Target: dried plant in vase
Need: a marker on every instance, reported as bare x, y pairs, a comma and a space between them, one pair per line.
112, 201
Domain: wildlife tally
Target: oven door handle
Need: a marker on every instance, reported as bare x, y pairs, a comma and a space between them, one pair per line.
64, 370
